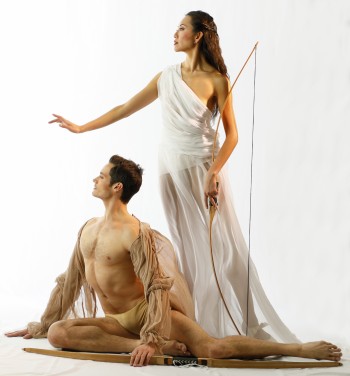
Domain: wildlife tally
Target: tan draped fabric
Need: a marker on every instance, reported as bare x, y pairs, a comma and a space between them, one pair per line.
71, 297
154, 263
146, 253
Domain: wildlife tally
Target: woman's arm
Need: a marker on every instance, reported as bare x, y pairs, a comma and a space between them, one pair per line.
136, 103
228, 119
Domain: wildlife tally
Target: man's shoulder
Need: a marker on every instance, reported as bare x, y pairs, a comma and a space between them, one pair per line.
88, 224
130, 231
91, 222
147, 231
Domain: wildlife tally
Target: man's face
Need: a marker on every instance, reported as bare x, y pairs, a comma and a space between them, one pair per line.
102, 188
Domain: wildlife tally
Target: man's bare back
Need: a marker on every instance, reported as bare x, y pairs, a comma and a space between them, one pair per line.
109, 271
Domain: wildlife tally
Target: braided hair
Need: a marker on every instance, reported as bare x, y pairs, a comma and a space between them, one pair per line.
210, 46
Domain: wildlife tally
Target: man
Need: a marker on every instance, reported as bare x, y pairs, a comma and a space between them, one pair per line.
146, 302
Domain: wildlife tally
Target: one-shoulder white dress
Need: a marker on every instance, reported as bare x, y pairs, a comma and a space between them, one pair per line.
184, 158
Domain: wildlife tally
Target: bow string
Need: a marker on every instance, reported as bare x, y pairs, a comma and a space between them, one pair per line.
213, 207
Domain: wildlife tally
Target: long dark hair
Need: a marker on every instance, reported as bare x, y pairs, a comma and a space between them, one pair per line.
209, 46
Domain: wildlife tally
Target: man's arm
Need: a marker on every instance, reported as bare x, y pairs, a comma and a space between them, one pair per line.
156, 285
65, 294
63, 297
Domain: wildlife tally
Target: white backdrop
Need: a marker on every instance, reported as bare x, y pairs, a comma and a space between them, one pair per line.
79, 58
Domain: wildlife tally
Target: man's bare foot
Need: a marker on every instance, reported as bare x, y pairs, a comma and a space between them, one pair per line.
175, 348
321, 350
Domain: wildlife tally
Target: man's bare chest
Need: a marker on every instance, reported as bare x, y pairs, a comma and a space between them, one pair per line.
103, 247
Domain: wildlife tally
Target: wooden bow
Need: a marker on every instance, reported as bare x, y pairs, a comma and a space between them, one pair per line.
213, 206
166, 360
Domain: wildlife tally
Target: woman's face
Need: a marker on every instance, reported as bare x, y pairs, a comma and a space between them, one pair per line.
184, 38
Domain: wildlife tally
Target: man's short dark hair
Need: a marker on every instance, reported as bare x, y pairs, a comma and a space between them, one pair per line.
128, 173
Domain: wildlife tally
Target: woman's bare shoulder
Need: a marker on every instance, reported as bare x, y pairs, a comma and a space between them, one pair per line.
221, 82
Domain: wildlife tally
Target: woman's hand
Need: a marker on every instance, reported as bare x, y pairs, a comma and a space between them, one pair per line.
211, 189
142, 355
64, 123
19, 333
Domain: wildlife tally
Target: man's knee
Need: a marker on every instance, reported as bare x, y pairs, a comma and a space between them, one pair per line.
57, 334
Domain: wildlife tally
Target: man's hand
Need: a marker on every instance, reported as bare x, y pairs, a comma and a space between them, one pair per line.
19, 333
64, 123
142, 354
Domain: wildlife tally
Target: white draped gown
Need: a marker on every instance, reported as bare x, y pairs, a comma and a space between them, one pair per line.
184, 158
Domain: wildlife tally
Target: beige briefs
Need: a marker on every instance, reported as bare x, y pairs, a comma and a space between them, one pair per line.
133, 319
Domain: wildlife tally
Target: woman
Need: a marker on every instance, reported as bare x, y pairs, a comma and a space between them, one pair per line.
191, 94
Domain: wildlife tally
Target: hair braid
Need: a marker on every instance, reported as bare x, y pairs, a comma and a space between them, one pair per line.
210, 45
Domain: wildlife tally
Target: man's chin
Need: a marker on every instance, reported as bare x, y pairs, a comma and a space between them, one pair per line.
96, 194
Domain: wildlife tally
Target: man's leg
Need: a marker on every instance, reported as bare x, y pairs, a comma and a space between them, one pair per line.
101, 335
200, 344
98, 335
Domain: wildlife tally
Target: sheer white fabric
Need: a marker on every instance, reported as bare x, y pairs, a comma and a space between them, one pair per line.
184, 158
